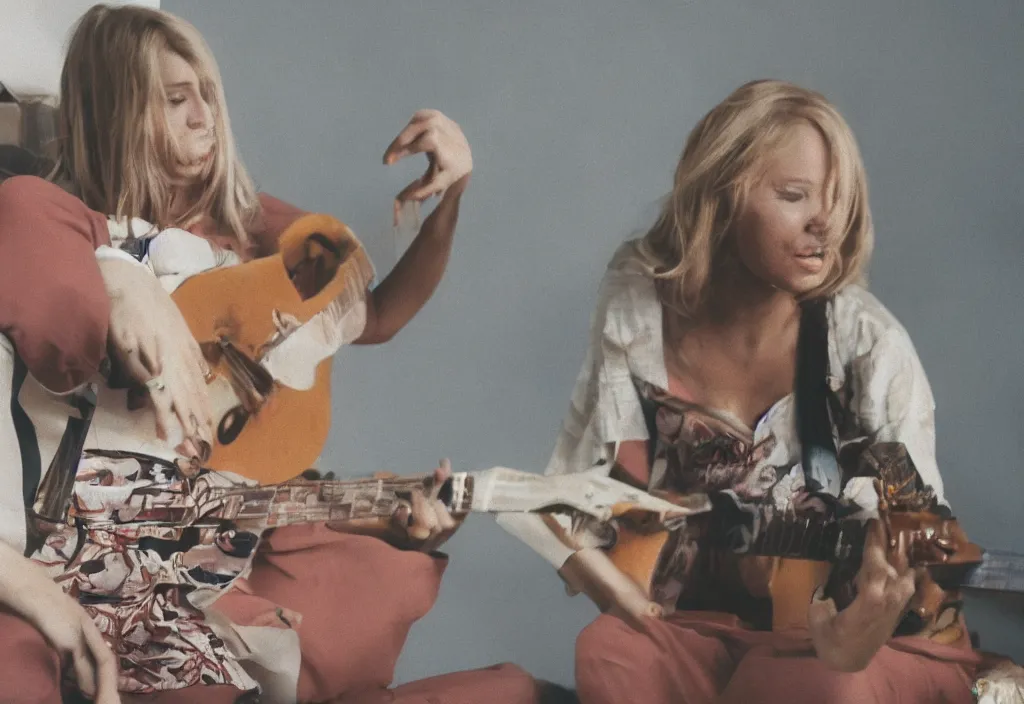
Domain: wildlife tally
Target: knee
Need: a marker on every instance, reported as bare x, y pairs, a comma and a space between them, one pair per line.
606, 635
59, 323
610, 648
26, 658
514, 684
18, 193
62, 336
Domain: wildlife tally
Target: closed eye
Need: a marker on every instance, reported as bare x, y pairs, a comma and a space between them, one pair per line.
792, 196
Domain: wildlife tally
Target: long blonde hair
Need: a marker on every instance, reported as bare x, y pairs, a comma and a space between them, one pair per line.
114, 144
724, 156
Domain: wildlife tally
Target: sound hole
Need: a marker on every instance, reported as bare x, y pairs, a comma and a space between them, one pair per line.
231, 425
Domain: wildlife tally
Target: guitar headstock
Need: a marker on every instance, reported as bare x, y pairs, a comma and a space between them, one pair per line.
592, 493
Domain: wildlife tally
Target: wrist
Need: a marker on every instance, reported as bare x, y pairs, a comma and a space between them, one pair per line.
458, 188
21, 582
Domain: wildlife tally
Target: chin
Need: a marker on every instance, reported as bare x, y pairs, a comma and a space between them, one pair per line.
801, 286
194, 173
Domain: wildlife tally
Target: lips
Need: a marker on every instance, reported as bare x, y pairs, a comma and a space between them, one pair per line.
817, 252
811, 258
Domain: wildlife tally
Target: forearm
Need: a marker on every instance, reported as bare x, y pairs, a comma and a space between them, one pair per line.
404, 292
47, 263
21, 580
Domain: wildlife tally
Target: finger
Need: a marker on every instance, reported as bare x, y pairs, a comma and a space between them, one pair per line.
426, 114
105, 663
85, 671
199, 421
444, 470
205, 406
425, 141
429, 186
150, 356
406, 195
820, 617
874, 562
424, 522
406, 137
190, 382
445, 521
441, 475
904, 589
131, 359
160, 400
188, 449
899, 558
402, 516
182, 405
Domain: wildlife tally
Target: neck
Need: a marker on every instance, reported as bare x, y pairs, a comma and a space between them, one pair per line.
183, 198
749, 311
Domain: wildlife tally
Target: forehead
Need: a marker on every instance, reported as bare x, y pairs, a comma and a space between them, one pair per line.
174, 70
801, 154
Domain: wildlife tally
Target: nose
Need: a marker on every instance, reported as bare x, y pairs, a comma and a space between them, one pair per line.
199, 117
817, 225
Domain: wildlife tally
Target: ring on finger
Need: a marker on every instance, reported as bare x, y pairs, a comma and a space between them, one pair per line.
155, 384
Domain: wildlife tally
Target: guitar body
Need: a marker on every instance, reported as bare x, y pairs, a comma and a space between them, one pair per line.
280, 433
268, 329
638, 554
939, 545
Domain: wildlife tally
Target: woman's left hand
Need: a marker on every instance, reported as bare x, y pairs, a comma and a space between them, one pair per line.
427, 521
848, 640
449, 158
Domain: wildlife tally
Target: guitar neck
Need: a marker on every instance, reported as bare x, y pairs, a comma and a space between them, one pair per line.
769, 532
313, 501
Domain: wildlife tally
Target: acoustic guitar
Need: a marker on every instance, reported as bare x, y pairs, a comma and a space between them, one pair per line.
815, 547
268, 329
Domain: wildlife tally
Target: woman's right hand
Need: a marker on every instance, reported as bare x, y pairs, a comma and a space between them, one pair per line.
847, 640
150, 339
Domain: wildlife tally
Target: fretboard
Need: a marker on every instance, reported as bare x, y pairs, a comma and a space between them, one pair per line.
313, 501
764, 530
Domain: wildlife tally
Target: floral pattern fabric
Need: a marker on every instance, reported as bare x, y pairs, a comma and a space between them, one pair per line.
143, 576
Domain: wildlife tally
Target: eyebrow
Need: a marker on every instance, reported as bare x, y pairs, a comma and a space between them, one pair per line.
797, 179
179, 84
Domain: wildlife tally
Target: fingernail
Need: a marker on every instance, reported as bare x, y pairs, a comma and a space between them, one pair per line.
204, 451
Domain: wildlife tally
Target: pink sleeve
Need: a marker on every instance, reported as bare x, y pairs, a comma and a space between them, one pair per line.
53, 303
275, 217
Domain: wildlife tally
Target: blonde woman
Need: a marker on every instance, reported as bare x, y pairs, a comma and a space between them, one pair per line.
689, 386
145, 133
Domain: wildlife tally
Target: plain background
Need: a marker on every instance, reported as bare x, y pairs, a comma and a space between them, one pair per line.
32, 34
577, 112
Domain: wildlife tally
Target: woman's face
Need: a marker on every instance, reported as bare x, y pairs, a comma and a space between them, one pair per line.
189, 117
781, 233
